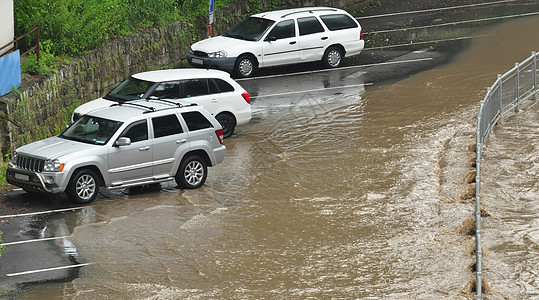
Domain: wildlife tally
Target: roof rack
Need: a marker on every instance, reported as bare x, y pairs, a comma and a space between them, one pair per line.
309, 11
149, 109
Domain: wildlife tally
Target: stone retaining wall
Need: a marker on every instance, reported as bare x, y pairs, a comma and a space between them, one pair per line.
43, 105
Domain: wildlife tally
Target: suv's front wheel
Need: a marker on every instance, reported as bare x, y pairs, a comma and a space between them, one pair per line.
192, 172
83, 186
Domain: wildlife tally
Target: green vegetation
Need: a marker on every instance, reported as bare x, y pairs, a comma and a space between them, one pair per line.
72, 27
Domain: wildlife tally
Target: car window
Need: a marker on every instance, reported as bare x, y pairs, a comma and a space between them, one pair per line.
137, 131
92, 130
338, 22
130, 89
309, 25
250, 29
284, 29
166, 125
196, 121
222, 85
195, 87
168, 90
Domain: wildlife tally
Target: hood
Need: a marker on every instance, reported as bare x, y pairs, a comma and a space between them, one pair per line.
53, 148
230, 45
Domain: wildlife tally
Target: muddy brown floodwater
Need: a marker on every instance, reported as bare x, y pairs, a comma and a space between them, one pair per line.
347, 194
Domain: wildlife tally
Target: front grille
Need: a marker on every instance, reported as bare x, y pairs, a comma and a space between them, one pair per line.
31, 164
200, 54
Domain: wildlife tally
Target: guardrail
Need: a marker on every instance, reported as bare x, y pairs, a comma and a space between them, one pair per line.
14, 45
505, 96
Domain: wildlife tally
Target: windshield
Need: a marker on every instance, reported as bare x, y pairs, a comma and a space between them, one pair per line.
131, 89
91, 130
250, 29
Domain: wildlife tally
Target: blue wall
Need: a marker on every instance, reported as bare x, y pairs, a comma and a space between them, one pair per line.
10, 72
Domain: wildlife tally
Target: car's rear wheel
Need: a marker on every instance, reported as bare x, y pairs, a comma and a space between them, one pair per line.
83, 186
333, 57
192, 172
228, 122
245, 66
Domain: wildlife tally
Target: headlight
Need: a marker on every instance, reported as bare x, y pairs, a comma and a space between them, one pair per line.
53, 166
14, 157
218, 54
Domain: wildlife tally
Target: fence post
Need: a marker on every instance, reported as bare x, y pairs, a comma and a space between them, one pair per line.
500, 92
517, 82
534, 76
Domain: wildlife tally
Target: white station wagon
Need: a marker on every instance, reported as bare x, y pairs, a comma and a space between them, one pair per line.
281, 37
223, 97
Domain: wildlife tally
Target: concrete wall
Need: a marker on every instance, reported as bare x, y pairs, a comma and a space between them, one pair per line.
42, 107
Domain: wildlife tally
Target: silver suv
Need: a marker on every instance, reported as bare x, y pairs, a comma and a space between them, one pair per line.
135, 143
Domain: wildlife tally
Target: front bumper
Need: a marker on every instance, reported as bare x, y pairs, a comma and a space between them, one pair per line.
224, 64
44, 182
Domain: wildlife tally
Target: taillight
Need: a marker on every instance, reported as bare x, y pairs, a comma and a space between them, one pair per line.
246, 97
361, 34
219, 134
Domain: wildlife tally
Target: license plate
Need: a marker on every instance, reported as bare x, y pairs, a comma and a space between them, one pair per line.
197, 61
21, 176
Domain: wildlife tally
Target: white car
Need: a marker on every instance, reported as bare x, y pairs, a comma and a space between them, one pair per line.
215, 90
281, 37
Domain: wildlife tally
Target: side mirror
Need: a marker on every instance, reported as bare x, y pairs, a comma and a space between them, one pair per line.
123, 141
270, 39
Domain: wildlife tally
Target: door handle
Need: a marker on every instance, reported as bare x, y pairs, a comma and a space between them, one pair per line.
292, 43
144, 148
181, 141
324, 38
214, 101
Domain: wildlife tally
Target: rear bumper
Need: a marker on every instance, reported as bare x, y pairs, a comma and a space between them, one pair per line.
243, 117
219, 154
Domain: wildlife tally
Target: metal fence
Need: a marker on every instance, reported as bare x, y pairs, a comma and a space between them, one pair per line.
508, 93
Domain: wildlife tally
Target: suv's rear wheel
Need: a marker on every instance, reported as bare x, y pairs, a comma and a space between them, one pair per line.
192, 172
333, 57
83, 186
228, 122
245, 66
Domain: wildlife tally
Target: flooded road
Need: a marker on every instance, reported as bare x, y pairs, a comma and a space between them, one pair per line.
350, 189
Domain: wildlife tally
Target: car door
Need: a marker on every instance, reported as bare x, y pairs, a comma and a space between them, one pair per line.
200, 92
170, 142
313, 39
280, 46
131, 163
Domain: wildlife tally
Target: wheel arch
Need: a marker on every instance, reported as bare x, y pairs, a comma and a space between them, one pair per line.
340, 46
200, 153
94, 168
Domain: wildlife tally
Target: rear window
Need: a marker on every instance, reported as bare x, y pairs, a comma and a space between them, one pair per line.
196, 121
222, 85
338, 22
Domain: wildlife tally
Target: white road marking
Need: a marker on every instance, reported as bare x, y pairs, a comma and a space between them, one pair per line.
48, 269
313, 90
35, 240
341, 68
454, 23
434, 9
43, 212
